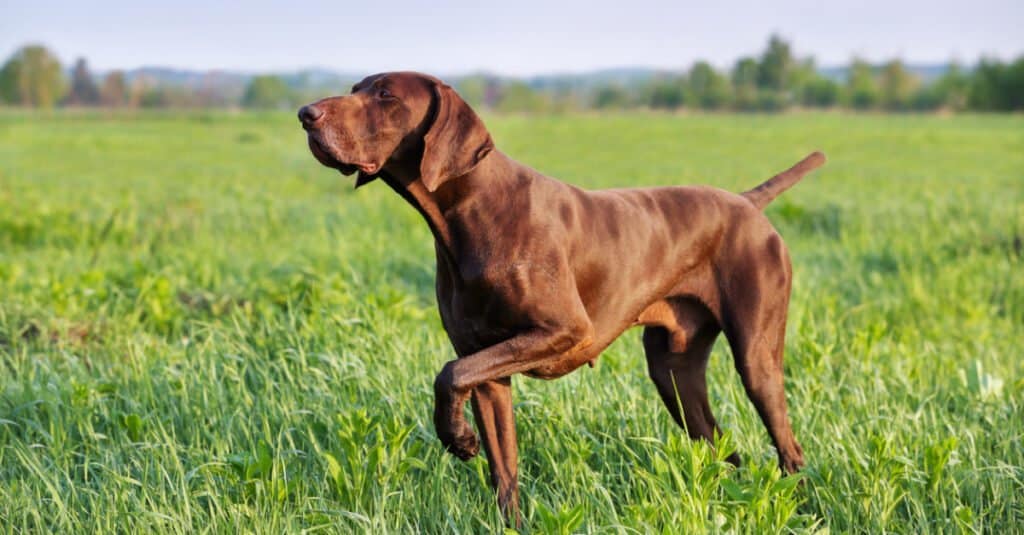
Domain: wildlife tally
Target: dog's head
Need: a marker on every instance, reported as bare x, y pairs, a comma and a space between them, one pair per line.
397, 119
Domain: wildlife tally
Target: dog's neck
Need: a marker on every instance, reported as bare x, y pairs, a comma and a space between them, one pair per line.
438, 207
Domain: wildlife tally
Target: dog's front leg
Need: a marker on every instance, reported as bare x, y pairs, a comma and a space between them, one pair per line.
492, 411
518, 354
486, 375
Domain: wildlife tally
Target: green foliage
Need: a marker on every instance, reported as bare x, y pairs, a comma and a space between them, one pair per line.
820, 92
267, 92
706, 88
744, 83
518, 97
775, 70
951, 89
474, 89
203, 330
155, 98
32, 76
666, 93
744, 73
896, 86
861, 87
166, 97
996, 86
611, 96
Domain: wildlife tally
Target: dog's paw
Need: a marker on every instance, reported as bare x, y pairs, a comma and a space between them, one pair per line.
462, 444
465, 448
791, 461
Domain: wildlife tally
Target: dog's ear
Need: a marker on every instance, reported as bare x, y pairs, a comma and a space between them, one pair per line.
363, 179
456, 141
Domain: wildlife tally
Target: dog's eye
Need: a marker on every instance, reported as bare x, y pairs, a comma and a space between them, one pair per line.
384, 93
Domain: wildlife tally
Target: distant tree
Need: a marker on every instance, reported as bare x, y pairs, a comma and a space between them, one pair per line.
803, 72
266, 92
154, 97
83, 88
744, 83
706, 88
578, 101
9, 93
32, 76
996, 86
775, 70
472, 89
744, 73
517, 96
985, 93
772, 101
777, 73
1013, 85
564, 99
114, 91
167, 96
926, 98
819, 92
861, 89
492, 92
950, 90
611, 96
896, 86
666, 93
139, 86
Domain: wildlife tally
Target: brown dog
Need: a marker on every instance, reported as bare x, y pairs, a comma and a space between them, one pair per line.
536, 276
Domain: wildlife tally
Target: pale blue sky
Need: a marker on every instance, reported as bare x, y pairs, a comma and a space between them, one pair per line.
516, 38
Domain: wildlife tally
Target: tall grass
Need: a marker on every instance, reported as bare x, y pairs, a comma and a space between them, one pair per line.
202, 330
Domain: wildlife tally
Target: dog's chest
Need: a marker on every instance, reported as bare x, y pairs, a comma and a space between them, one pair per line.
483, 303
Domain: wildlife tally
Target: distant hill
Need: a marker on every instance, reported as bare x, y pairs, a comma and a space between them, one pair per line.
321, 79
925, 71
305, 79
187, 77
623, 76
327, 80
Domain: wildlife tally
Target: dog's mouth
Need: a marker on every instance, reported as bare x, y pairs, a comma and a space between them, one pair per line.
327, 158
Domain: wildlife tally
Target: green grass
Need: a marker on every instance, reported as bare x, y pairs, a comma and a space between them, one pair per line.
203, 330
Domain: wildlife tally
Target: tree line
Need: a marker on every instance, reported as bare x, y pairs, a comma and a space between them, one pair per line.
774, 80
777, 80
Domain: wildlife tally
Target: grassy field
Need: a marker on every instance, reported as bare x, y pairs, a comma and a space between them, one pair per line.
203, 330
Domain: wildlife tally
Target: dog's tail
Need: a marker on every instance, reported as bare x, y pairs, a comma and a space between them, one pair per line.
768, 191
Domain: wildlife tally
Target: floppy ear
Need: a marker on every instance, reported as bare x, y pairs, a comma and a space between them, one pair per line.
455, 143
363, 179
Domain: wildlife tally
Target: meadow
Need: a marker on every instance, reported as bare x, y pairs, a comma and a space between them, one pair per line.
202, 330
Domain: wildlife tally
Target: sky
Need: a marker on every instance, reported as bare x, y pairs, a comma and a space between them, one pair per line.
524, 37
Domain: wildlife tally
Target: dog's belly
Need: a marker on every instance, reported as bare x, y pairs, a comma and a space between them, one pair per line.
554, 371
570, 362
565, 366
472, 327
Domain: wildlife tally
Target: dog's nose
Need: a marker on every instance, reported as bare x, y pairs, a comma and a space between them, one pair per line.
310, 114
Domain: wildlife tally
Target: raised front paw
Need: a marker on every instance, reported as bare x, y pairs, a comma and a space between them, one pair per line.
461, 443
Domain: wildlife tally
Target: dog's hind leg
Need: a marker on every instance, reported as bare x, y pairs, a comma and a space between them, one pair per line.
758, 357
492, 411
677, 358
754, 322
